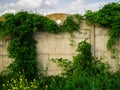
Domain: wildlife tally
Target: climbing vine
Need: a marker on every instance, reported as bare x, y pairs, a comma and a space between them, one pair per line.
72, 23
84, 72
20, 28
108, 16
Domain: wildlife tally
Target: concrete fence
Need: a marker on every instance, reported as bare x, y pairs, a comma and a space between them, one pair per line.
63, 45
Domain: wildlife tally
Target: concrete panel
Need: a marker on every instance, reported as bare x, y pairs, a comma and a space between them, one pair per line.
53, 72
78, 34
42, 62
101, 42
41, 35
85, 26
53, 68
3, 47
4, 51
101, 30
57, 46
4, 61
61, 43
118, 45
106, 58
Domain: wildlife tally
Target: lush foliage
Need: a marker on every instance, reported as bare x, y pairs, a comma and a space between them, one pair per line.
86, 73
108, 16
20, 28
83, 73
20, 83
72, 23
22, 46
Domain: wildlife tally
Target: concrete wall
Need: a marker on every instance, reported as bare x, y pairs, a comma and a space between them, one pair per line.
4, 59
101, 39
62, 45
59, 46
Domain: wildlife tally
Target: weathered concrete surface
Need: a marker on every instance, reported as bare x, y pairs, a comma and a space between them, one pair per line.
63, 45
4, 59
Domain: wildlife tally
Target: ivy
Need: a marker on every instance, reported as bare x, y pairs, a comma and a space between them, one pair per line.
108, 16
21, 34
72, 23
83, 73
20, 27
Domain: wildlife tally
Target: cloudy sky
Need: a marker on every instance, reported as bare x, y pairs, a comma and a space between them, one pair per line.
52, 6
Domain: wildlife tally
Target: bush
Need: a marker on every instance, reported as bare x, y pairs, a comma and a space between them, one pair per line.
84, 73
87, 73
19, 82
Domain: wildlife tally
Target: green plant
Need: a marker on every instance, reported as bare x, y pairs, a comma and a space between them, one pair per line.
87, 73
65, 64
84, 73
109, 17
20, 32
20, 27
70, 24
1, 80
78, 18
72, 42
52, 83
20, 83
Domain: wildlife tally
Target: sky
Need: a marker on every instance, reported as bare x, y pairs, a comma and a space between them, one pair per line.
46, 7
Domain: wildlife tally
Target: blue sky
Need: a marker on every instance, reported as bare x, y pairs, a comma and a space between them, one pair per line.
52, 6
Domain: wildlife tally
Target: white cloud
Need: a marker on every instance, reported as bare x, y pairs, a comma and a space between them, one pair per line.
24, 4
51, 2
30, 5
80, 7
8, 11
10, 5
76, 3
20, 5
51, 6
